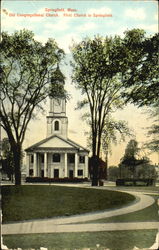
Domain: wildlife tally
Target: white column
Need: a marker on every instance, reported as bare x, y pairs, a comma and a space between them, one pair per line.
45, 165
27, 165
38, 165
86, 166
66, 175
35, 165
76, 164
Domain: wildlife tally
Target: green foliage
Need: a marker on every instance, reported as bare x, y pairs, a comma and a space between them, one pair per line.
132, 149
113, 130
57, 82
153, 131
107, 69
96, 73
142, 78
27, 67
146, 170
113, 173
28, 71
6, 149
133, 165
7, 158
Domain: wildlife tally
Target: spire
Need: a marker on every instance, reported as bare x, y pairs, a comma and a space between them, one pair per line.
57, 83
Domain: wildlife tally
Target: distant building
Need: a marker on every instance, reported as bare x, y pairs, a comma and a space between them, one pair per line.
57, 156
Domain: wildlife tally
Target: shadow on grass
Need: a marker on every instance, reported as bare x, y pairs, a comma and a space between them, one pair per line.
121, 240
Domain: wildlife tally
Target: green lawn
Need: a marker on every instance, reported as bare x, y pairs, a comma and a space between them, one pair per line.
119, 240
144, 189
33, 202
148, 214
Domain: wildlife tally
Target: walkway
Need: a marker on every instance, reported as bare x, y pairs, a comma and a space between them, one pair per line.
67, 224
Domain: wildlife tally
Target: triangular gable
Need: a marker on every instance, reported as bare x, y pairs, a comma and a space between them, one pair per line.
53, 141
56, 142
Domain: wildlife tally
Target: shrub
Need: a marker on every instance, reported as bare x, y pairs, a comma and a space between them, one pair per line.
134, 182
55, 180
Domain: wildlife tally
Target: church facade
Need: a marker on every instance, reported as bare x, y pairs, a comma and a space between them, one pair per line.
57, 156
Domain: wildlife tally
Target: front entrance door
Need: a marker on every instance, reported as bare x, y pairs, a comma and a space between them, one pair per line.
56, 173
71, 173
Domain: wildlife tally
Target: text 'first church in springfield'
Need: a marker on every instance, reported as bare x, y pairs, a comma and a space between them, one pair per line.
57, 156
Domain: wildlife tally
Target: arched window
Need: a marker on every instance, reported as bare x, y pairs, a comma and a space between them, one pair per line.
56, 125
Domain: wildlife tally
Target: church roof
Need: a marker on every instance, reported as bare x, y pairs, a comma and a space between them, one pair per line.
55, 141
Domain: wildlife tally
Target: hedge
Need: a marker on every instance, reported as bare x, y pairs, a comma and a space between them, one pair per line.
48, 180
135, 182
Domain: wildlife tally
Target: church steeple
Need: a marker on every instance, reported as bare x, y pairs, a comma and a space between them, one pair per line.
57, 121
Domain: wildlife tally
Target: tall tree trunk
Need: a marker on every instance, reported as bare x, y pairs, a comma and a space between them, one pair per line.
94, 161
17, 153
95, 167
106, 164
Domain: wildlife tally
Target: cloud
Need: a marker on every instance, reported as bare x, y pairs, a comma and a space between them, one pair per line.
103, 10
60, 25
11, 21
136, 13
87, 26
65, 41
151, 28
41, 38
120, 31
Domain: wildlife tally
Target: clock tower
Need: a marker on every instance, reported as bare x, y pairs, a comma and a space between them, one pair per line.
57, 121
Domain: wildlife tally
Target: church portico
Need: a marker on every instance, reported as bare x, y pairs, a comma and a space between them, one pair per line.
57, 164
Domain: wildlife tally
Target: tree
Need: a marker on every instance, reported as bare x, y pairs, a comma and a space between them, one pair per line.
141, 80
103, 69
146, 171
7, 161
153, 131
131, 159
95, 73
113, 173
112, 132
27, 70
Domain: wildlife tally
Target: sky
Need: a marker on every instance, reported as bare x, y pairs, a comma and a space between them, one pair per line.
68, 21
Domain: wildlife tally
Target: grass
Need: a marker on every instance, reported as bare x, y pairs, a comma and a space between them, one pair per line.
137, 188
120, 240
34, 202
148, 214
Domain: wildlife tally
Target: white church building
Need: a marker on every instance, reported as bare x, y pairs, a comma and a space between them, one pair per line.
57, 156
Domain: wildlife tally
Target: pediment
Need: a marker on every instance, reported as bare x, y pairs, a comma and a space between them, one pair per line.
55, 142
